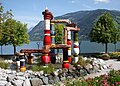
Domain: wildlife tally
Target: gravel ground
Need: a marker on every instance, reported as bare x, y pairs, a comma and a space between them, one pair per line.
114, 64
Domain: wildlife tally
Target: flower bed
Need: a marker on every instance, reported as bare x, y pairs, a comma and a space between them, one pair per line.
112, 79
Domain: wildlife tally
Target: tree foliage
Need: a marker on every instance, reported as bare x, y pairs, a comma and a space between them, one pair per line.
59, 28
12, 32
105, 30
4, 16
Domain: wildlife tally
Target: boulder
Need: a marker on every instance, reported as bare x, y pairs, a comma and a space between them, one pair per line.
56, 79
45, 80
17, 82
62, 78
10, 77
3, 77
8, 84
36, 82
3, 83
26, 82
88, 66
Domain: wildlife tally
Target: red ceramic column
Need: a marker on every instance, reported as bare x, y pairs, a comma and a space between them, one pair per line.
47, 39
65, 59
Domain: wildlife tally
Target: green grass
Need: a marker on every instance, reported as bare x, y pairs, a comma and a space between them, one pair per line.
4, 65
47, 70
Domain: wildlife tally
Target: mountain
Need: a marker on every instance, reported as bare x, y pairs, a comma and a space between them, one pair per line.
29, 29
84, 19
37, 33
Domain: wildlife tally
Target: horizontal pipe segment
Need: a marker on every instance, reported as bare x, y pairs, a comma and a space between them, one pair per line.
61, 21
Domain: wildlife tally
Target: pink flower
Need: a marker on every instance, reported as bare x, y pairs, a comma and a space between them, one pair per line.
117, 83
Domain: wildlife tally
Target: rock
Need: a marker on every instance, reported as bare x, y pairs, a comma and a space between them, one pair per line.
3, 77
3, 83
89, 66
56, 79
45, 80
13, 72
51, 81
62, 78
55, 73
83, 72
32, 76
84, 58
20, 78
101, 61
96, 68
29, 71
70, 77
74, 68
79, 67
41, 77
36, 82
10, 77
8, 71
8, 61
8, 84
17, 82
65, 70
59, 71
26, 82
41, 72
12, 66
20, 74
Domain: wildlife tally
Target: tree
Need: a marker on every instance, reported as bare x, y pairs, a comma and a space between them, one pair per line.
59, 28
16, 33
115, 36
3, 17
104, 29
12, 32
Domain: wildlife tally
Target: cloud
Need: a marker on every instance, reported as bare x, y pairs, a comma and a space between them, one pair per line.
74, 1
102, 1
31, 21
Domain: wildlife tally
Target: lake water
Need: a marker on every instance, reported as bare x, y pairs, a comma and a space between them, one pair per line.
85, 47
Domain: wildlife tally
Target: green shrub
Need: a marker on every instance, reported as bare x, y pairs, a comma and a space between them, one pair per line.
47, 69
82, 62
97, 56
105, 56
115, 55
4, 65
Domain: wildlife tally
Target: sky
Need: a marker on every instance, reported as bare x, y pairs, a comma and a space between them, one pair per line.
30, 11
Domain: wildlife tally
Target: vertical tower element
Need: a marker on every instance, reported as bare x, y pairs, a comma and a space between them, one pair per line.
47, 17
69, 43
52, 52
47, 39
22, 63
65, 59
76, 45
52, 34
